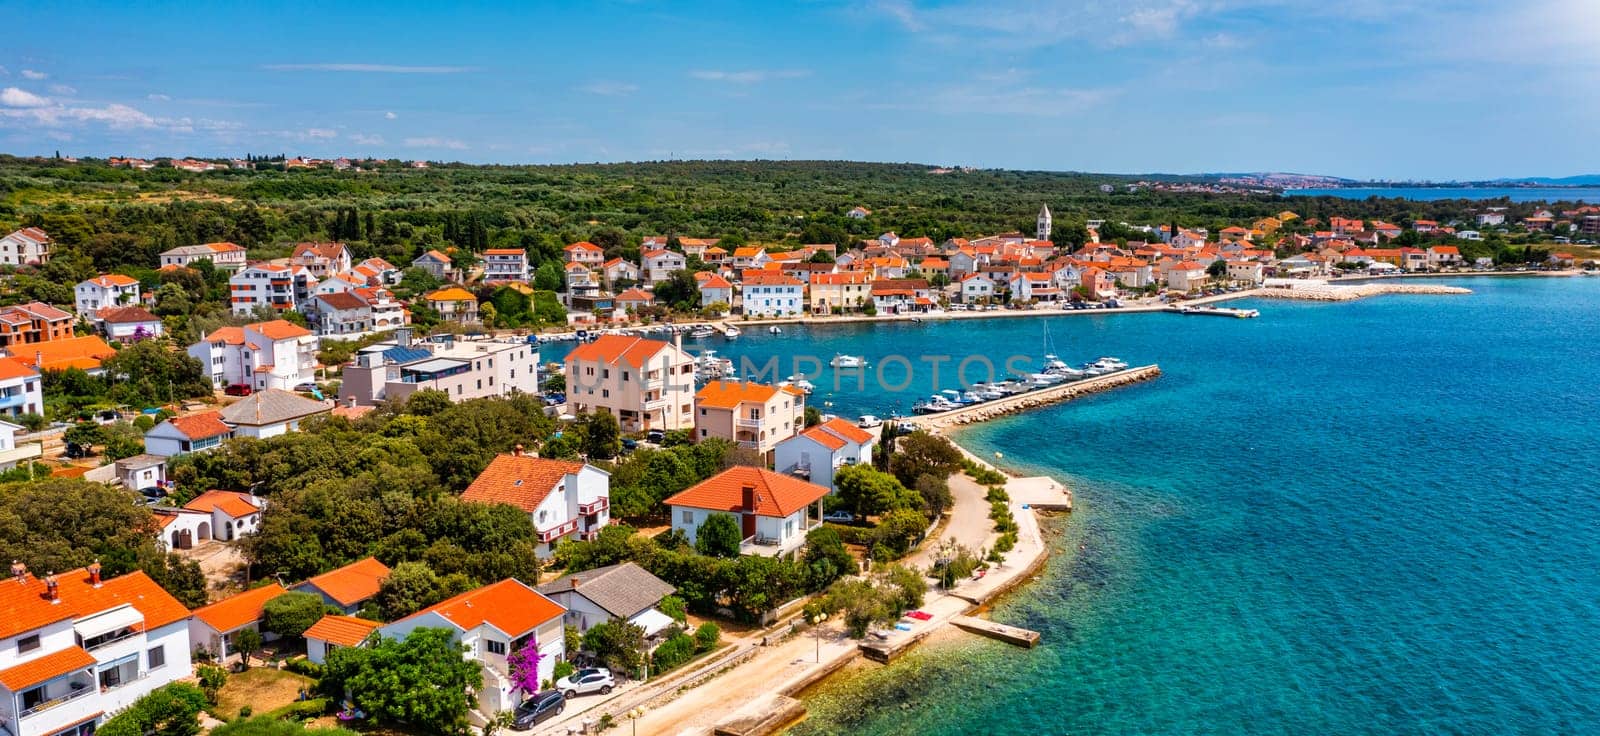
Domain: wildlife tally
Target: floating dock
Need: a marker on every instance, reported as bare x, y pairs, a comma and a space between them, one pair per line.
998, 631
1219, 312
973, 413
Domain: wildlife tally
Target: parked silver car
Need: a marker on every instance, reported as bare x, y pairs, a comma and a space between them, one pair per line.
585, 681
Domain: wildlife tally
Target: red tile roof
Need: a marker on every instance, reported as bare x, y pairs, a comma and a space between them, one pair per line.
13, 368
35, 671
239, 610
279, 329
23, 606
843, 429
729, 394
352, 583
345, 631
614, 349
775, 495
83, 352
509, 606
522, 481
109, 280
232, 503
201, 426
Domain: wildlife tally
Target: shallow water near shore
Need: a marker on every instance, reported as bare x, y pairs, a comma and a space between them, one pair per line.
1368, 517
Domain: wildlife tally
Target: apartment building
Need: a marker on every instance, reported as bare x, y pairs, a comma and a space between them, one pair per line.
277, 354
107, 290
229, 256
755, 415
463, 368
505, 264
76, 648
34, 322
645, 384
281, 288
561, 498
29, 246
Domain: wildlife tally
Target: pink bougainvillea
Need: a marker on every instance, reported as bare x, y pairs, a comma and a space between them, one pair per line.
524, 667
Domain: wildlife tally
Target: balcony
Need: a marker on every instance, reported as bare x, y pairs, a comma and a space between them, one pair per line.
22, 453
550, 535
75, 689
748, 422
594, 507
13, 401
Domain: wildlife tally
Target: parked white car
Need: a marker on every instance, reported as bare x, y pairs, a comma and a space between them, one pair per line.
585, 681
867, 421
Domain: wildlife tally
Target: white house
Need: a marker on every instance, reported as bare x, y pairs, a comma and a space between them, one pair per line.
128, 324
228, 256
105, 290
281, 288
179, 528
561, 498
1444, 256
261, 355
21, 391
493, 622
463, 368
587, 253
750, 256
1034, 286
192, 433
437, 264
618, 270
28, 246
333, 631
622, 592
271, 412
858, 213
76, 648
772, 294
659, 265
13, 452
142, 472
1186, 276
774, 512
212, 628
347, 588
821, 450
505, 264
976, 287
714, 289
1248, 272
321, 259
233, 514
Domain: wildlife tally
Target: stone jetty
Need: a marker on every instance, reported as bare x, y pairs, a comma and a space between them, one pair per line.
1324, 292
1040, 397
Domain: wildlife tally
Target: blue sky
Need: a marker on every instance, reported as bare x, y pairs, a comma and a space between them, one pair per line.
1362, 88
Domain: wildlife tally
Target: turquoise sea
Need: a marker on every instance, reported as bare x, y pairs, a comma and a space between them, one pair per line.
1428, 194
1375, 517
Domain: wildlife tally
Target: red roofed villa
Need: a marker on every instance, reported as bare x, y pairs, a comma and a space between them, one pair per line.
774, 511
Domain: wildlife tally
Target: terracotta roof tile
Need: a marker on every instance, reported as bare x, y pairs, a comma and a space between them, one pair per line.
508, 605
232, 503
614, 349
40, 669
345, 631
522, 481
278, 329
201, 426
730, 394
846, 430
775, 495
237, 611
84, 352
23, 607
352, 583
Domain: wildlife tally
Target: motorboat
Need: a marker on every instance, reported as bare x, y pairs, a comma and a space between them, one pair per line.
953, 396
847, 361
934, 405
1110, 364
708, 366
701, 331
799, 381
775, 330
730, 332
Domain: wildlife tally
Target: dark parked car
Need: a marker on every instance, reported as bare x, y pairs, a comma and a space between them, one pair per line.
655, 435
237, 389
538, 709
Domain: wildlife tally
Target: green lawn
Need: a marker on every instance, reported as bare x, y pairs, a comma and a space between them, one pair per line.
261, 688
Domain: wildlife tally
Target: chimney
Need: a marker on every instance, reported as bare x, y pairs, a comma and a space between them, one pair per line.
350, 402
50, 592
747, 494
19, 571
518, 451
576, 581
94, 574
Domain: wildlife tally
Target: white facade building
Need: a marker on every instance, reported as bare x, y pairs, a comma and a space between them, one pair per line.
817, 453
774, 512
107, 290
561, 498
266, 285
276, 354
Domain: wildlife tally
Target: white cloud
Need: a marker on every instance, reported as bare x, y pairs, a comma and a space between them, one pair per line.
154, 97
390, 116
63, 90
31, 74
322, 133
13, 97
369, 68
610, 89
748, 76
362, 139
435, 142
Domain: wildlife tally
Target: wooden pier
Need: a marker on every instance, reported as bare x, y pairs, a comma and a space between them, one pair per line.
1008, 634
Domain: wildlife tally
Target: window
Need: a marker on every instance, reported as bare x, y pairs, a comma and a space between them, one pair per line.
157, 657
27, 644
688, 516
494, 647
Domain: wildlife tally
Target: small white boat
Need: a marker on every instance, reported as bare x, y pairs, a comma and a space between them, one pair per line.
798, 381
730, 332
1110, 364
776, 330
702, 331
847, 361
934, 405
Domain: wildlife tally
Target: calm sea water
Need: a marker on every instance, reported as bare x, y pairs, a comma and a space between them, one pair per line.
1428, 194
1376, 517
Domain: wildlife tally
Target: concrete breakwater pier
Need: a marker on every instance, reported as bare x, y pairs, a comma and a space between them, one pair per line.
1324, 292
1041, 397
